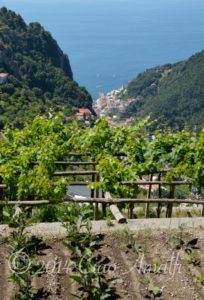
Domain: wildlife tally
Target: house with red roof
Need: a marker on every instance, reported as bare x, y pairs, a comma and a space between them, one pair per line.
85, 115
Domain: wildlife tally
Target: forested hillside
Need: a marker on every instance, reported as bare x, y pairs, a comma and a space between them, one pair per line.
174, 94
39, 78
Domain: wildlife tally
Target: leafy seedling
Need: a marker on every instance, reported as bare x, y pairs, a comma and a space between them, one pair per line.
193, 259
200, 278
109, 222
136, 248
191, 245
182, 243
153, 291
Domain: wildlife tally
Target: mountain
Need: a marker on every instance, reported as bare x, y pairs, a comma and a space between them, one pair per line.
173, 94
35, 74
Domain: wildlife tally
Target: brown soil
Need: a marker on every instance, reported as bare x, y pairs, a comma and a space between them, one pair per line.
146, 265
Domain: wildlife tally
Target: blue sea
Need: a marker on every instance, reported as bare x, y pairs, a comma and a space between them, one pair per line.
110, 41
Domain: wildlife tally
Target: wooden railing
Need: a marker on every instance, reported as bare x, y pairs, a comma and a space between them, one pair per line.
107, 201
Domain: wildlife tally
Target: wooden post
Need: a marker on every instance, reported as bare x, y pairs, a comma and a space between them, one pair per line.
93, 180
170, 205
160, 195
203, 211
149, 196
103, 204
1, 207
97, 196
131, 207
93, 190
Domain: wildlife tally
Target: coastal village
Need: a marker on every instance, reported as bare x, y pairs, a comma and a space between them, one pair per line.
111, 106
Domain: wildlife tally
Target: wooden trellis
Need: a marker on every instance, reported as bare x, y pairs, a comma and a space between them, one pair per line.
95, 199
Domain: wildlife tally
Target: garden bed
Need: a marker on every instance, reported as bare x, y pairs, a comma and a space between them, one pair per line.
146, 265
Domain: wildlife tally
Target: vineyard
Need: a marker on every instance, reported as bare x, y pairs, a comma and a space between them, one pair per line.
130, 172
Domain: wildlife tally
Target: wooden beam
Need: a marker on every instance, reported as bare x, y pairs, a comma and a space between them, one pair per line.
149, 196
1, 207
117, 214
75, 173
100, 200
170, 204
115, 210
103, 204
77, 154
71, 163
154, 183
76, 163
79, 183
96, 210
88, 154
127, 200
28, 203
159, 207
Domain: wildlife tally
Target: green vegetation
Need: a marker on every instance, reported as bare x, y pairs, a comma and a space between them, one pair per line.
41, 142
27, 156
23, 251
200, 278
82, 244
40, 78
27, 166
172, 93
40, 81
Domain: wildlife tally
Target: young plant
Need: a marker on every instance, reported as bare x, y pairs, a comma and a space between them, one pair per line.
192, 259
179, 236
200, 278
153, 291
109, 222
157, 266
82, 244
22, 255
188, 246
